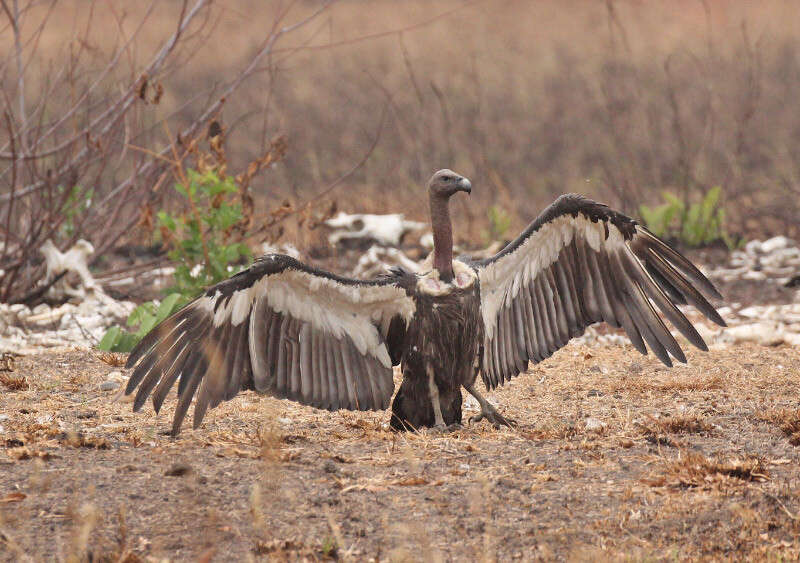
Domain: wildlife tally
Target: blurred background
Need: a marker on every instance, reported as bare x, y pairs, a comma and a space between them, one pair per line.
674, 112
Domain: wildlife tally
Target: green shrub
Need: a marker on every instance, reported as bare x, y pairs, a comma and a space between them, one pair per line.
200, 243
76, 202
698, 224
499, 223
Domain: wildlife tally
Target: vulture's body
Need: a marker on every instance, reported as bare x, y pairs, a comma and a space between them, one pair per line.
441, 343
288, 330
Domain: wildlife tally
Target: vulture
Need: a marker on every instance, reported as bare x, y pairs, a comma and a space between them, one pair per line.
289, 330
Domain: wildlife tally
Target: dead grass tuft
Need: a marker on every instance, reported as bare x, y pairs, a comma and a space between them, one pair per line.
112, 359
80, 440
554, 430
788, 420
13, 382
692, 469
85, 519
22, 453
655, 428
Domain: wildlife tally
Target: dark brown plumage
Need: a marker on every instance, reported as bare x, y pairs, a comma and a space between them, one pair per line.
289, 330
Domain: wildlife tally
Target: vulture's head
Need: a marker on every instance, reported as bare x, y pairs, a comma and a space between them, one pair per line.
446, 182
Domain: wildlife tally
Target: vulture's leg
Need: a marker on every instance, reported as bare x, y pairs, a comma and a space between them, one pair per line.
487, 410
437, 407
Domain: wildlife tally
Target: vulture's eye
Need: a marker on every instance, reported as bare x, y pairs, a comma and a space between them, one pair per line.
446, 178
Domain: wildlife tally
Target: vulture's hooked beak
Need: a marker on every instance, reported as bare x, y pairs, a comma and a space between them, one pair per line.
465, 185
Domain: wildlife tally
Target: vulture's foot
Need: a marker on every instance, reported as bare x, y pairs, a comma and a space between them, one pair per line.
494, 417
488, 412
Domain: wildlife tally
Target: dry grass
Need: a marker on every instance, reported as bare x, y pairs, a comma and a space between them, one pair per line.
13, 382
681, 469
112, 359
619, 100
691, 424
691, 469
788, 420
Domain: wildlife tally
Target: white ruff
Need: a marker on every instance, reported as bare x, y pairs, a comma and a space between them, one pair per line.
430, 283
502, 280
330, 306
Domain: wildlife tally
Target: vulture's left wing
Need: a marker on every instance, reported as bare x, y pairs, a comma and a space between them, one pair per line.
579, 263
282, 328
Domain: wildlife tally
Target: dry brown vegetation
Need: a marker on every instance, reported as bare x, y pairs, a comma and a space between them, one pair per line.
619, 100
81, 476
616, 99
788, 420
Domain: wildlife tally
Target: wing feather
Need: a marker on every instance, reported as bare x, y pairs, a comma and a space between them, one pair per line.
581, 263
280, 328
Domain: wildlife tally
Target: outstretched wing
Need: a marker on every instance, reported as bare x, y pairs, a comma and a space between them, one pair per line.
281, 328
579, 263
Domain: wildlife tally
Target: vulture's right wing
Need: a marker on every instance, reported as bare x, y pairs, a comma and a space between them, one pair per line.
577, 264
281, 328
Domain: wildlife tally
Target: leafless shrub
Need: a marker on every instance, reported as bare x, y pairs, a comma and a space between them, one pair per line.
71, 115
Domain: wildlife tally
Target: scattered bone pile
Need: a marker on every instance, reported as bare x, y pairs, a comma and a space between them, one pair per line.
386, 230
775, 261
81, 321
24, 330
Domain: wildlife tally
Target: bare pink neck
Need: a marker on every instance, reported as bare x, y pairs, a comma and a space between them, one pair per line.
442, 237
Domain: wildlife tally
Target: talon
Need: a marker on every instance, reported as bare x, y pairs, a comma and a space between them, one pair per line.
494, 417
488, 412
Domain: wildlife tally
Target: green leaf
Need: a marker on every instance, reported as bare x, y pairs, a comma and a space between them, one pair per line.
673, 200
126, 343
140, 313
166, 220
168, 306
148, 324
110, 338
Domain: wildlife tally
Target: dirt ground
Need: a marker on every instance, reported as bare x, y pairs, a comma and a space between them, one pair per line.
615, 457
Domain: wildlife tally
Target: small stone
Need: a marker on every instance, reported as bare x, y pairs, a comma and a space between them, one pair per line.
594, 393
775, 243
41, 308
330, 467
594, 425
178, 470
471, 403
751, 312
754, 275
764, 333
115, 375
109, 385
752, 247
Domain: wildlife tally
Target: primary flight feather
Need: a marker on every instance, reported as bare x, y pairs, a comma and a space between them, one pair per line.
289, 330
